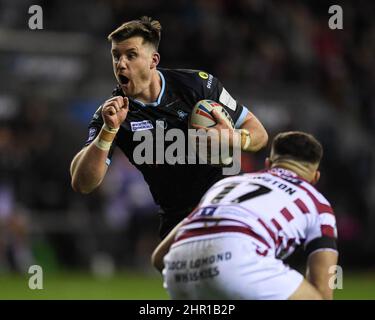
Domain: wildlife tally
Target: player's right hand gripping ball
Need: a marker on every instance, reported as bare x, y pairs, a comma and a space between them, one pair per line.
202, 116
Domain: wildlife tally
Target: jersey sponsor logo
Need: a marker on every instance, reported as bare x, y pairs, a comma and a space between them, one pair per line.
141, 125
227, 100
209, 81
203, 75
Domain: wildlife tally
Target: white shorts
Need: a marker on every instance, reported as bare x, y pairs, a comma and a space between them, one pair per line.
226, 267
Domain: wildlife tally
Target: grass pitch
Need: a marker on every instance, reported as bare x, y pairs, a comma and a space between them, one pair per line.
135, 286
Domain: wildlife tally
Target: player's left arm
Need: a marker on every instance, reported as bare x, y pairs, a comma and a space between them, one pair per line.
318, 271
253, 135
321, 247
157, 257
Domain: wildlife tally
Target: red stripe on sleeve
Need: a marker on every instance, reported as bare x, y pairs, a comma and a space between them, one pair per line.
302, 206
327, 230
270, 232
320, 207
323, 208
276, 224
287, 215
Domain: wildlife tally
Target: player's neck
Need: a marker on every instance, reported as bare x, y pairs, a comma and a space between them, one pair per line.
152, 92
304, 171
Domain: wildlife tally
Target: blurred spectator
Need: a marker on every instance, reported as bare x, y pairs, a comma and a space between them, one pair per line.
15, 245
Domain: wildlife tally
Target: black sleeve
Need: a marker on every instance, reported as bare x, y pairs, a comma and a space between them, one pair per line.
214, 90
323, 242
95, 125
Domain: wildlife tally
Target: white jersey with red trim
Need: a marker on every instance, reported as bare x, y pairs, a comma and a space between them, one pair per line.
281, 210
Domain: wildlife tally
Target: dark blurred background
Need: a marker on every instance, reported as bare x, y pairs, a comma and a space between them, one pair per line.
279, 58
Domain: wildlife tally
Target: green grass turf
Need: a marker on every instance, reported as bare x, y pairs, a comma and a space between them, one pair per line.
131, 285
357, 286
127, 285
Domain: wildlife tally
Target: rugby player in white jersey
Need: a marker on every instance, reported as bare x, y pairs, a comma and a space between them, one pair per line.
232, 246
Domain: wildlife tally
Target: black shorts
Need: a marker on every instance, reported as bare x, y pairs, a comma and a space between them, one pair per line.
169, 219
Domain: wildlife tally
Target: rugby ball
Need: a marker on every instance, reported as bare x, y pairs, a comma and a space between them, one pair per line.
202, 116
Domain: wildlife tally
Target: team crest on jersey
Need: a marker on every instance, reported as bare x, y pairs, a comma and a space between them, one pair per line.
141, 125
182, 114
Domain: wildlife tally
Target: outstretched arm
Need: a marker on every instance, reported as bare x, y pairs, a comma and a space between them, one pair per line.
163, 248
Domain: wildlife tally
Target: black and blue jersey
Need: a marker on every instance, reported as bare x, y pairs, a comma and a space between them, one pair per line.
176, 188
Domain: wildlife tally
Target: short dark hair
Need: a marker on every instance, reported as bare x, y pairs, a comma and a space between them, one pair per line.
145, 27
298, 146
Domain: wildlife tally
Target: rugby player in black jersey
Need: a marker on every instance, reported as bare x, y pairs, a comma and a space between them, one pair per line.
147, 96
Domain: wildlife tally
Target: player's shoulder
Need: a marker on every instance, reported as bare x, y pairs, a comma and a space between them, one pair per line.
195, 79
304, 185
232, 179
314, 193
185, 74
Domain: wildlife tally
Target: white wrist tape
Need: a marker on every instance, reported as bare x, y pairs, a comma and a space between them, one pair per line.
247, 140
102, 144
105, 138
247, 143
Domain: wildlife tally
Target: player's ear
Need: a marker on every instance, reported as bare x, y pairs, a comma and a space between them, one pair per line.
155, 60
267, 163
316, 177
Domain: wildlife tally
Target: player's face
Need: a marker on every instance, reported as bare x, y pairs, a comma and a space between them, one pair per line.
133, 61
